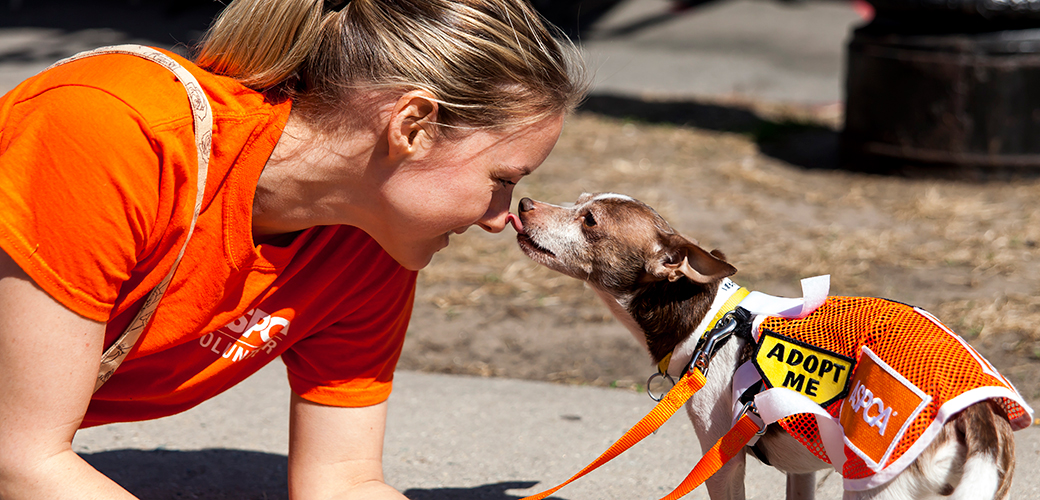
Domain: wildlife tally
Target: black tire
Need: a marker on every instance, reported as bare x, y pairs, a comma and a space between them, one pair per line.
992, 10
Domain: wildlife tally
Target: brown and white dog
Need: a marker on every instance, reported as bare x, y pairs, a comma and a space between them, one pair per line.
660, 285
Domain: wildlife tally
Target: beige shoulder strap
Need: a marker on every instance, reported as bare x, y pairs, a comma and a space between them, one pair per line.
203, 116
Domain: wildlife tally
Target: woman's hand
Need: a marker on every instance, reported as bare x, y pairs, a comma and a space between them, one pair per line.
337, 452
49, 360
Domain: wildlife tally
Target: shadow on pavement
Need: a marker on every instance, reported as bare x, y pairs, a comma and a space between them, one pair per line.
224, 474
163, 23
799, 142
802, 144
496, 491
207, 474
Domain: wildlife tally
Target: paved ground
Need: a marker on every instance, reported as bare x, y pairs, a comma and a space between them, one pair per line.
770, 50
449, 437
453, 437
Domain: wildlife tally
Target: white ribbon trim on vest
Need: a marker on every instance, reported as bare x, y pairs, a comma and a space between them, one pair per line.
778, 403
775, 404
814, 293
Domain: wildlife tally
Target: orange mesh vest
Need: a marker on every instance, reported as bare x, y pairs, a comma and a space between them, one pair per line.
909, 375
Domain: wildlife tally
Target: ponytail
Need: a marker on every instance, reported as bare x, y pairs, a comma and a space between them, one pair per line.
488, 63
262, 43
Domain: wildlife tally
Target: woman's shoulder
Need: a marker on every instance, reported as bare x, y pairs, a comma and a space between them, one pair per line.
146, 89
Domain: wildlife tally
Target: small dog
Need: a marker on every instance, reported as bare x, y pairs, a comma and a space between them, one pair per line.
662, 286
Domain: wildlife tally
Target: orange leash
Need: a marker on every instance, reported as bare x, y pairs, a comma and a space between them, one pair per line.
690, 383
726, 448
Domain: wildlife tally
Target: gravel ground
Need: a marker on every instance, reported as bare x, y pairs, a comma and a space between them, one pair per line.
760, 183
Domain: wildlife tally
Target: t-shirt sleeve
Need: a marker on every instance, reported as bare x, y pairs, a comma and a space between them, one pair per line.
79, 182
351, 363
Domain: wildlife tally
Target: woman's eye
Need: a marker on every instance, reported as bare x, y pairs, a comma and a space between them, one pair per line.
589, 220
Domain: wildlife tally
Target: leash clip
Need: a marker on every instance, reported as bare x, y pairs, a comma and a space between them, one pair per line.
723, 330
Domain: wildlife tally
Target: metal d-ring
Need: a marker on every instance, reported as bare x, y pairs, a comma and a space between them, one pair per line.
750, 407
651, 379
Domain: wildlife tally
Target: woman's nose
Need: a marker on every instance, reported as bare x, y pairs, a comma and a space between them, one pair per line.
496, 218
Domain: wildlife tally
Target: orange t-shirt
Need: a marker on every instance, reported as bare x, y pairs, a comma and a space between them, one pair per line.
97, 168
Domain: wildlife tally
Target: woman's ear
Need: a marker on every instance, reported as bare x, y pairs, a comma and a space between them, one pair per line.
412, 124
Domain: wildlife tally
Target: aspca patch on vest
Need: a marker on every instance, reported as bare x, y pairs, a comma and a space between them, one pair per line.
880, 408
819, 374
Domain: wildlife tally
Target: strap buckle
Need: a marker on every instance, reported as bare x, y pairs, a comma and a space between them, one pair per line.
750, 409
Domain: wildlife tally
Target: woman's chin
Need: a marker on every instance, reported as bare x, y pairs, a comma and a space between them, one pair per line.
414, 262
418, 256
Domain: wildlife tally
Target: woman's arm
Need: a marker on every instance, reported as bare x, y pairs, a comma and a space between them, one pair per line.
337, 452
49, 359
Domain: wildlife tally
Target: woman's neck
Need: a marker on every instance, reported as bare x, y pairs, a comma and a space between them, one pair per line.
311, 179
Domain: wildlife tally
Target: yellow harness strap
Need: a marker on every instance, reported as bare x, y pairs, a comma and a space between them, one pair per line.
729, 305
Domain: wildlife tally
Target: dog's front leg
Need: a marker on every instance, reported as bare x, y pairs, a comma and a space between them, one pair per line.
801, 486
710, 424
728, 482
711, 412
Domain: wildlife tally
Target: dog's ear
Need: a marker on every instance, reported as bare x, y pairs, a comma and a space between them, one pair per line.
683, 258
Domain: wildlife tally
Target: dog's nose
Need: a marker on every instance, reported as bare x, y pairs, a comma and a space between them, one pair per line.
525, 205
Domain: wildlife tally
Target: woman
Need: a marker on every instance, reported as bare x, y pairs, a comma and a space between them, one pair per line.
350, 140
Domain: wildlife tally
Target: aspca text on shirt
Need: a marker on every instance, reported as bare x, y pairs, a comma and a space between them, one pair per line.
879, 409
252, 333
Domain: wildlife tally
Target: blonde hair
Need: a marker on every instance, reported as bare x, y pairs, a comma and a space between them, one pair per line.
488, 63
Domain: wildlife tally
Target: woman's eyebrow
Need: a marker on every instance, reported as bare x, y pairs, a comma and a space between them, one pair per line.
523, 171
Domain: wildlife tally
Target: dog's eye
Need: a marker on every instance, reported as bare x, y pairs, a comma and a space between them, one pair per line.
589, 220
